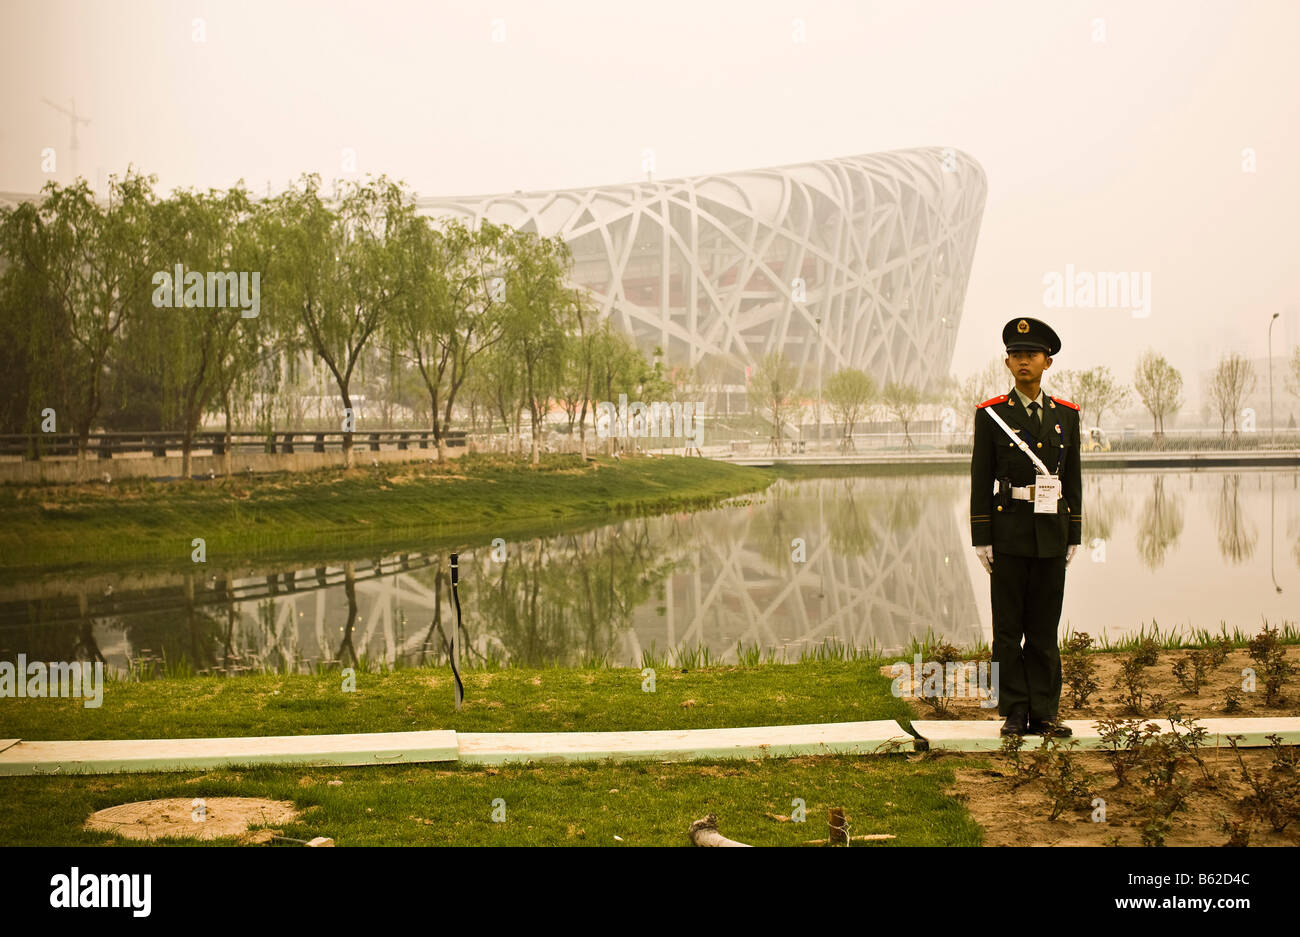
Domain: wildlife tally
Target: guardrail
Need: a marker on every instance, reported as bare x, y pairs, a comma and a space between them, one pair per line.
920, 442
160, 444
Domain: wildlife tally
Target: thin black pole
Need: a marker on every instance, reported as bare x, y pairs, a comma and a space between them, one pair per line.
452, 645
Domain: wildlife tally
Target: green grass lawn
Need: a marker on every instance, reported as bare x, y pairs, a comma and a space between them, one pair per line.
506, 700
135, 524
646, 803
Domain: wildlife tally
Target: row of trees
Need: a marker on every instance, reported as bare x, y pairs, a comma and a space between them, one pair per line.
358, 289
1157, 385
94, 334
850, 394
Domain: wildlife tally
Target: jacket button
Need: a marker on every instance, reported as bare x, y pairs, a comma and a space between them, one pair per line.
999, 507
1040, 445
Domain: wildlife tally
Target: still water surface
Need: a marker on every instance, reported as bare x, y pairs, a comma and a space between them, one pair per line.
860, 562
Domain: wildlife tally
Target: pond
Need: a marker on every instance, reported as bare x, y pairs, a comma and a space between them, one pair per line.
807, 567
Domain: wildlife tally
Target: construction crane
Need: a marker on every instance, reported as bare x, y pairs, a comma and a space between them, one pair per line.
73, 120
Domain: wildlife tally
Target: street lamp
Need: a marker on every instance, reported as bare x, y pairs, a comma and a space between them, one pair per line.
1272, 441
819, 383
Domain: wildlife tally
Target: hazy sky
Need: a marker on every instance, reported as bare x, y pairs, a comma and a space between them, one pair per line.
1122, 155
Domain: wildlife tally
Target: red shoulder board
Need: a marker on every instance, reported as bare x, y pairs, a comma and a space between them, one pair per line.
998, 399
1072, 406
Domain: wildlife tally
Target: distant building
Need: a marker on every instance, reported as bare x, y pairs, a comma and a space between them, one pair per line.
711, 265
735, 265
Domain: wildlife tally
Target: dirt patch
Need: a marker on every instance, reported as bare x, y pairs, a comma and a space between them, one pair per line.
1015, 812
1016, 815
1108, 701
205, 818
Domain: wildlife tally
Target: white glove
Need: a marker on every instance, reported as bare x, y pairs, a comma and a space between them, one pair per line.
985, 554
1069, 553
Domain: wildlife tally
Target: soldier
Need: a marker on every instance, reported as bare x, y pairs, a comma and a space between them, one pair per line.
1026, 513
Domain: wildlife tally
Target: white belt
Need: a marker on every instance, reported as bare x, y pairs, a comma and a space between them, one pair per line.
1022, 494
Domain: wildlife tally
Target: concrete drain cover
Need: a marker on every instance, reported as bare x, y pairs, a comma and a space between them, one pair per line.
196, 818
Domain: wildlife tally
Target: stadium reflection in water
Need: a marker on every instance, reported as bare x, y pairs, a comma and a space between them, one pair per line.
807, 567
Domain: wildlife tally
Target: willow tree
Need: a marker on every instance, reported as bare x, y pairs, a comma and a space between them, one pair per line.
617, 368
538, 315
579, 366
35, 355
454, 311
92, 264
340, 267
212, 237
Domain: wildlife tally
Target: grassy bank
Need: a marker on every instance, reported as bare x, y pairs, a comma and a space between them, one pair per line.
511, 700
645, 803
423, 506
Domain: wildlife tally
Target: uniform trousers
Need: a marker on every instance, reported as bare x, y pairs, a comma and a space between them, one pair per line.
1026, 594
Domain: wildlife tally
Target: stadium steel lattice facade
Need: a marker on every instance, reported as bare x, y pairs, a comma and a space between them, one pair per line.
878, 247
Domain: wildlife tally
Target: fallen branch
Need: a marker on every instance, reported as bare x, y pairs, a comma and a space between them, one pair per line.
705, 833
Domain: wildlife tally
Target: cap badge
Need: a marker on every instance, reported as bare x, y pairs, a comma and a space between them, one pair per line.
1022, 326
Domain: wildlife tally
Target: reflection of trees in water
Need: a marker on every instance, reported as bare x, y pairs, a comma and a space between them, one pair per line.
347, 654
558, 599
904, 507
61, 640
788, 513
853, 502
877, 568
864, 580
846, 510
1103, 506
201, 634
1160, 524
1236, 534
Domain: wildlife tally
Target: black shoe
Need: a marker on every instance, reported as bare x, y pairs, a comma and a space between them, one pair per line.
1017, 722
1049, 727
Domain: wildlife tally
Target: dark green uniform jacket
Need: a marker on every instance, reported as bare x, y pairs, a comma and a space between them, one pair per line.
1010, 524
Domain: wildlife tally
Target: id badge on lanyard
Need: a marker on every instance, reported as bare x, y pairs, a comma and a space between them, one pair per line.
1047, 490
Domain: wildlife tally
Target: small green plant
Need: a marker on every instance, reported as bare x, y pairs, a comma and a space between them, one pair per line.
1079, 670
1122, 739
1269, 655
748, 656
591, 661
652, 660
1217, 651
1238, 831
1024, 769
1132, 679
1275, 791
1232, 700
1147, 652
943, 654
1163, 785
1189, 740
1190, 670
1068, 785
